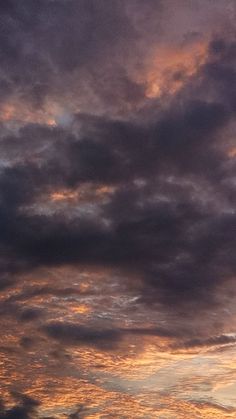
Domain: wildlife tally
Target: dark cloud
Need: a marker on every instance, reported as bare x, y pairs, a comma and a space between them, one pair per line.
97, 54
109, 339
179, 337
25, 409
160, 228
6, 282
169, 219
30, 314
210, 342
76, 415
220, 70
26, 342
69, 334
92, 32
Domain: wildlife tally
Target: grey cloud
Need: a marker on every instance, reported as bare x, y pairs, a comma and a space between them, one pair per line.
180, 246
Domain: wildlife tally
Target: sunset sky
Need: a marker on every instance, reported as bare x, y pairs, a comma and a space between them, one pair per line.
117, 209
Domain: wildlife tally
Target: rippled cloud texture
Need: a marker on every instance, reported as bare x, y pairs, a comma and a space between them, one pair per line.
117, 209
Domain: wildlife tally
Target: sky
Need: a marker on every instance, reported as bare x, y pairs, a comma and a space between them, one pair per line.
117, 209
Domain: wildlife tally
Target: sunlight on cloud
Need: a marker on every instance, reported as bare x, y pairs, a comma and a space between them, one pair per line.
171, 67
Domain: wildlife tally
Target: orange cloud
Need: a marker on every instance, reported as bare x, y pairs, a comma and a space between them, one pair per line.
171, 66
232, 152
16, 110
63, 195
85, 193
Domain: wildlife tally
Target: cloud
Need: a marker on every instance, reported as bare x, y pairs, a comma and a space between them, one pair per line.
68, 333
93, 32
71, 334
117, 156
169, 219
155, 223
25, 409
98, 62
214, 341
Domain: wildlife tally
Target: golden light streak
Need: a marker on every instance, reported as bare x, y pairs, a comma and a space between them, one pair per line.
84, 193
104, 190
64, 195
80, 309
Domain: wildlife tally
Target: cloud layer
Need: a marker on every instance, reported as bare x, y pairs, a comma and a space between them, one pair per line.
117, 185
